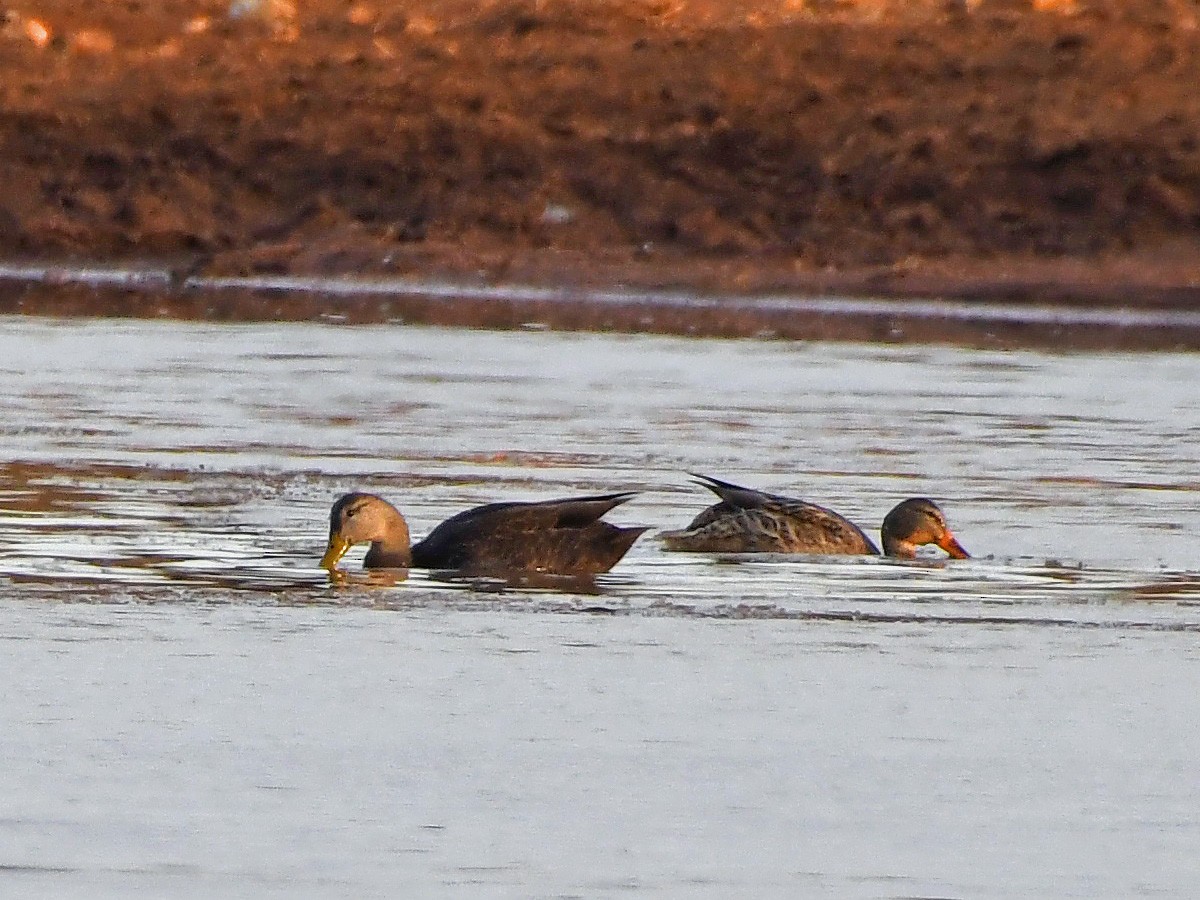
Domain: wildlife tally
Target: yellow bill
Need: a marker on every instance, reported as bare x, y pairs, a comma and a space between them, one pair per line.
337, 548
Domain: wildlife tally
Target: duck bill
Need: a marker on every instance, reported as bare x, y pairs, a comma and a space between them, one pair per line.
950, 544
337, 548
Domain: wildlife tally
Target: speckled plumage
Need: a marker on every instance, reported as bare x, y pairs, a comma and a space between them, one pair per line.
750, 521
565, 537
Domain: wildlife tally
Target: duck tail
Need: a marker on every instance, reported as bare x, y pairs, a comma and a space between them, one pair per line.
578, 512
716, 485
616, 544
733, 494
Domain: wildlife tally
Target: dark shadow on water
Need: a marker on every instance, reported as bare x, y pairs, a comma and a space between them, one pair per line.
536, 582
367, 577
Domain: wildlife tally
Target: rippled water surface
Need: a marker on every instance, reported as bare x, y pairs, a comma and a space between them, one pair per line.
193, 709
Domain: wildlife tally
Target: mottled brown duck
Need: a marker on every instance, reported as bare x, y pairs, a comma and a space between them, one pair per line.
750, 521
561, 537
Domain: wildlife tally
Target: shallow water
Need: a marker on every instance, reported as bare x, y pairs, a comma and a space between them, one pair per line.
195, 710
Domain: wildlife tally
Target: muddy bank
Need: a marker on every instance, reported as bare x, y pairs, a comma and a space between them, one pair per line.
995, 149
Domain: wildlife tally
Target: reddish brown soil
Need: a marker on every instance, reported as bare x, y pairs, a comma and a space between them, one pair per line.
983, 149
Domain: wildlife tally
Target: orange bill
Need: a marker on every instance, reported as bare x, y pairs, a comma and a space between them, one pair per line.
950, 544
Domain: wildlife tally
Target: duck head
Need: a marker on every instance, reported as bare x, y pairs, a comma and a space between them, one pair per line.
913, 524
365, 518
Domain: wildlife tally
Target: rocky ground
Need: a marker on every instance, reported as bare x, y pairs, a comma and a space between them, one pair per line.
987, 148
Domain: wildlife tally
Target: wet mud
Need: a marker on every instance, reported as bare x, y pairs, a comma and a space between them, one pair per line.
989, 150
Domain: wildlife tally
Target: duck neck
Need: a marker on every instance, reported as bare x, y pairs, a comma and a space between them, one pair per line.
392, 551
897, 547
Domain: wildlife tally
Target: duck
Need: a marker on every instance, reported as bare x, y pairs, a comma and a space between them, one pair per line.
751, 521
559, 537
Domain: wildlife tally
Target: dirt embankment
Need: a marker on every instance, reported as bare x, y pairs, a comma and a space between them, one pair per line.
995, 148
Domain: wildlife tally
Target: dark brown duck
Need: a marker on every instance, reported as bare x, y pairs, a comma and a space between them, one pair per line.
561, 537
750, 521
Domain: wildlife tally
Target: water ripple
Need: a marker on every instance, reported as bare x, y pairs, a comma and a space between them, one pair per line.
143, 461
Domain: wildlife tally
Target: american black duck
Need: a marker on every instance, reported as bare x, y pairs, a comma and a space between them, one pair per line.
562, 537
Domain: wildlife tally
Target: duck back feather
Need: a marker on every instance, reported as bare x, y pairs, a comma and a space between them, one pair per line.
750, 521
556, 536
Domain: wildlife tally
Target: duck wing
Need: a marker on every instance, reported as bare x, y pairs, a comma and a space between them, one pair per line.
558, 536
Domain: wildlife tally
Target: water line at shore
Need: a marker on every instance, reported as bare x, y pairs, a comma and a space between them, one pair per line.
1184, 324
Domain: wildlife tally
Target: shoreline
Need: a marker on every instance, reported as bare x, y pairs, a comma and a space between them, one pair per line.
970, 319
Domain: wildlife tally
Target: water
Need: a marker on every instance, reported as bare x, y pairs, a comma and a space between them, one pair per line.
193, 709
